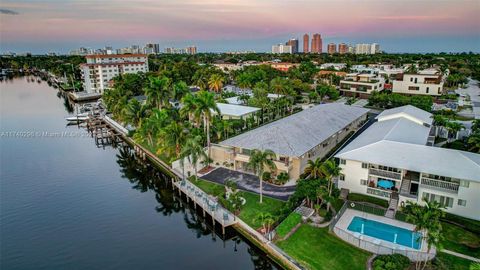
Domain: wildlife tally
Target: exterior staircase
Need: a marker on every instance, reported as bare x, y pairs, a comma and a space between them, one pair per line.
405, 187
392, 205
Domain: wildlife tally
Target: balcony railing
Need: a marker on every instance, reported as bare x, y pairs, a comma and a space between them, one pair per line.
387, 174
443, 185
379, 192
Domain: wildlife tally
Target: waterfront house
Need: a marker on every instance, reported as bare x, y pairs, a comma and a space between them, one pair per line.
426, 82
394, 159
361, 84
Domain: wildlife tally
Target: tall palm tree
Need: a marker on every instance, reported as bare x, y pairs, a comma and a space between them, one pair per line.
216, 82
330, 170
173, 137
314, 168
426, 220
193, 151
258, 162
205, 105
134, 112
157, 91
189, 106
179, 90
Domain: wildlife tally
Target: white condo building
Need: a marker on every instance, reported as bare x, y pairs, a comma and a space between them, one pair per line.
100, 69
426, 82
393, 159
280, 48
361, 84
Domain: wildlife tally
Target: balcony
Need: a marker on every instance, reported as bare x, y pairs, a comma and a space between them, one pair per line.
379, 192
282, 166
441, 185
386, 174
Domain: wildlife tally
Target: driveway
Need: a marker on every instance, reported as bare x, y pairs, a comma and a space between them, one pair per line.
249, 182
473, 91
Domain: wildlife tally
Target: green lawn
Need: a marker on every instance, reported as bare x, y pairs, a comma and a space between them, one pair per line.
288, 224
316, 248
365, 198
252, 207
460, 240
444, 261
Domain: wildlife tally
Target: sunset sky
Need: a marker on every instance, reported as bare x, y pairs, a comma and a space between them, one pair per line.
398, 26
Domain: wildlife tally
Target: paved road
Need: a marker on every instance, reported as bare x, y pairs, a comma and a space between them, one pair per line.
249, 182
473, 91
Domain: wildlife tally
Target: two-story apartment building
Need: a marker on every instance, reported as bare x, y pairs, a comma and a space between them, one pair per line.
306, 135
394, 157
426, 82
361, 84
101, 68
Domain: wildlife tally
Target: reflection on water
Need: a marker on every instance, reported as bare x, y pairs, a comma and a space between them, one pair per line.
67, 204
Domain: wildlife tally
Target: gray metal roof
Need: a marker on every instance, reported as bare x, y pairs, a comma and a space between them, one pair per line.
408, 110
400, 142
297, 134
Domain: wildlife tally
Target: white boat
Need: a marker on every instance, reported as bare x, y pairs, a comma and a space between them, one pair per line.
77, 119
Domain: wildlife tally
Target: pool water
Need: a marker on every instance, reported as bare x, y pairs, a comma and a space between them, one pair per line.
386, 232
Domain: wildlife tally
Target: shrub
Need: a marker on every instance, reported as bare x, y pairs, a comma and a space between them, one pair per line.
391, 262
282, 177
266, 176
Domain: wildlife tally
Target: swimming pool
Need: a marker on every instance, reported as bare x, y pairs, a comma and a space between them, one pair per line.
386, 232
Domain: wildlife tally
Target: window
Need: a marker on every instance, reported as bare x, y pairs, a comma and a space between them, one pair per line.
363, 182
462, 202
343, 161
464, 183
411, 79
415, 80
413, 88
428, 89
341, 177
364, 165
443, 200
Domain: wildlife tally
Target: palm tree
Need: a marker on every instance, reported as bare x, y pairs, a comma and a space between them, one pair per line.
134, 112
454, 128
427, 221
189, 103
476, 125
216, 82
314, 168
440, 121
267, 220
204, 106
173, 137
157, 91
330, 170
193, 150
474, 142
258, 161
179, 90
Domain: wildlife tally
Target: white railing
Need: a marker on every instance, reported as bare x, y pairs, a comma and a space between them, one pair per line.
444, 185
387, 174
379, 192
380, 247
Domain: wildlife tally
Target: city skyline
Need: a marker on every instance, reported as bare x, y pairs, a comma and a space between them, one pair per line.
237, 25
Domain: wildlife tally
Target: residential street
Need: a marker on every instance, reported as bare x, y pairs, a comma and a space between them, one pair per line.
474, 92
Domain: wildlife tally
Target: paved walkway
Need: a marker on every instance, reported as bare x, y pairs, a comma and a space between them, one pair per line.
461, 255
473, 91
249, 182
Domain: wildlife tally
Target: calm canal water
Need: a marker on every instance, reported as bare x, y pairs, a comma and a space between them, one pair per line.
67, 204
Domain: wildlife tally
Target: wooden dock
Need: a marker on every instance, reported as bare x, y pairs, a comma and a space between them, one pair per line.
207, 203
102, 132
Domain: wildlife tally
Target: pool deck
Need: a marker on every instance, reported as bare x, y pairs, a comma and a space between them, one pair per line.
348, 216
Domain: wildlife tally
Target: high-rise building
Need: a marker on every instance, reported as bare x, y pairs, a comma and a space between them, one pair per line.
191, 50
306, 41
365, 48
151, 48
294, 44
316, 43
280, 48
342, 48
331, 48
351, 49
101, 68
